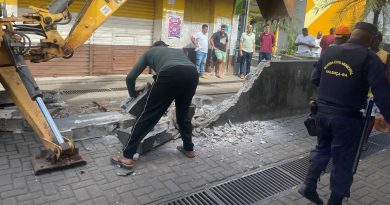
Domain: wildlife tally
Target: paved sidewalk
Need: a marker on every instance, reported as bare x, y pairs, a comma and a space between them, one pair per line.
371, 185
164, 172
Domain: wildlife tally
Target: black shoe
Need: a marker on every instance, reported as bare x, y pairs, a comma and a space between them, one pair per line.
311, 195
335, 199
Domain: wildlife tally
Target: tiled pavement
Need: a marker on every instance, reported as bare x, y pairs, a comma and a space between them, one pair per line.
164, 172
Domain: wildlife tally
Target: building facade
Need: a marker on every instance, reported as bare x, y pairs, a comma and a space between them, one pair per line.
124, 37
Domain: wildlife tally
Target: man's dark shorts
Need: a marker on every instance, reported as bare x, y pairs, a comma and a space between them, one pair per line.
266, 56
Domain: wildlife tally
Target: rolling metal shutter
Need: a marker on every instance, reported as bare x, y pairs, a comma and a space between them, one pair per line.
112, 49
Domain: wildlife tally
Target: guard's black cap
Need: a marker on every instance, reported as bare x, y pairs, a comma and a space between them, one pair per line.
160, 43
371, 28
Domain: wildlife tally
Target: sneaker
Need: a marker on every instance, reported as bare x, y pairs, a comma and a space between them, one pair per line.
204, 77
242, 76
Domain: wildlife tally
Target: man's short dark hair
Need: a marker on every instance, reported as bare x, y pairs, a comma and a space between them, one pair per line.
265, 25
305, 29
160, 44
204, 26
223, 26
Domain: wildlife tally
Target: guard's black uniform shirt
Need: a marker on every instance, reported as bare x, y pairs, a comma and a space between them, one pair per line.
344, 74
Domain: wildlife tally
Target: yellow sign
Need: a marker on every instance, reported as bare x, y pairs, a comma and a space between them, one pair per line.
338, 73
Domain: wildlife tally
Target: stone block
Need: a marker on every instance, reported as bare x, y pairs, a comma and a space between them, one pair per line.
158, 136
12, 121
92, 125
135, 106
49, 96
200, 100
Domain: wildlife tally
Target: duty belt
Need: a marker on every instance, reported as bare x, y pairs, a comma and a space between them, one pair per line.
335, 111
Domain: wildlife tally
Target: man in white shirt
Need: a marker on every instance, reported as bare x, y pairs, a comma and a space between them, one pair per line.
305, 43
317, 50
247, 48
200, 40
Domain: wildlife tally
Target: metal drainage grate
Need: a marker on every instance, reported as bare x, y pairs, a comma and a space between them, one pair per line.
200, 198
381, 139
95, 90
255, 187
298, 168
372, 149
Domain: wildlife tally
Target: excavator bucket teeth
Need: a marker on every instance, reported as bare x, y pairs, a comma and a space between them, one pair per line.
42, 163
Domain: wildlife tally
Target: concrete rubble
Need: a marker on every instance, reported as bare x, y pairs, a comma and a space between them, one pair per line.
92, 122
234, 120
207, 114
232, 133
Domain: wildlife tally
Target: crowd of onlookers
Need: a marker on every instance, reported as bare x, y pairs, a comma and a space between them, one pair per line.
314, 47
307, 46
219, 44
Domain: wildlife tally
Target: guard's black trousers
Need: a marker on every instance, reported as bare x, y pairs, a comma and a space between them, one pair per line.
177, 83
338, 138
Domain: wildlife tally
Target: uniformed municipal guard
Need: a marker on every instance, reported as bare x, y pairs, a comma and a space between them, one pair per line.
343, 75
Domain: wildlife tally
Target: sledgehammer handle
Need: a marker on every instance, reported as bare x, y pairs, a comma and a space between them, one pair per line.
365, 130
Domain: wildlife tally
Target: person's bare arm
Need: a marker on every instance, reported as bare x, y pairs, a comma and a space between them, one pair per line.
211, 41
194, 41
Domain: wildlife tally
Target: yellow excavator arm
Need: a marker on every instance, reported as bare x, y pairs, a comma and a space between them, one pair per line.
16, 78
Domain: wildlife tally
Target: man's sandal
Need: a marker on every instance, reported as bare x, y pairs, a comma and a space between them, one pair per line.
189, 154
116, 160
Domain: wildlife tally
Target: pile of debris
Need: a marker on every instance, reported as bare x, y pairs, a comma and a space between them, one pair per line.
233, 133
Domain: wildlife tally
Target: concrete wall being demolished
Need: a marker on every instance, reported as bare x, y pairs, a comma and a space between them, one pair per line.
280, 90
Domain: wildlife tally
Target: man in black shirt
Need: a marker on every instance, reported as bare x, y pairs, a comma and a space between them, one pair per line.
343, 75
219, 42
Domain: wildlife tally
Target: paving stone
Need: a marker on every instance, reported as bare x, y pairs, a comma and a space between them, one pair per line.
143, 190
165, 172
29, 202
100, 201
29, 196
46, 199
172, 186
8, 201
86, 203
49, 189
145, 199
112, 196
94, 191
68, 201
5, 179
128, 198
12, 193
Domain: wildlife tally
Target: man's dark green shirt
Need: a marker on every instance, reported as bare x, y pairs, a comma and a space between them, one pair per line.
158, 59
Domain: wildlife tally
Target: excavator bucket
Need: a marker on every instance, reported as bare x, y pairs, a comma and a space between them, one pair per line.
276, 9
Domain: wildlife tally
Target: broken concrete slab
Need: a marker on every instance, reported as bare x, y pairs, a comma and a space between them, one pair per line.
158, 136
93, 125
49, 96
201, 100
12, 121
282, 89
135, 106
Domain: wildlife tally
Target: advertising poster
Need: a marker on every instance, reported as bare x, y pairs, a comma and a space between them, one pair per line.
174, 26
